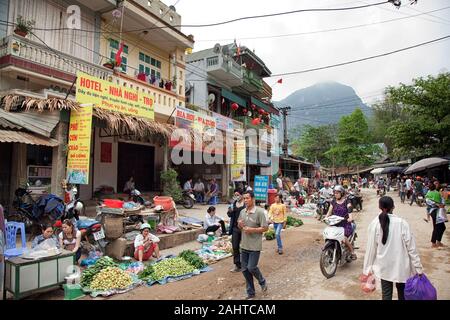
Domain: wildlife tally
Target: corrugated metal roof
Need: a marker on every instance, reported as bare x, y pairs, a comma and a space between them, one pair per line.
5, 124
41, 123
27, 138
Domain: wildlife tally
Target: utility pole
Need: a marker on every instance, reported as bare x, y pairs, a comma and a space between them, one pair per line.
284, 112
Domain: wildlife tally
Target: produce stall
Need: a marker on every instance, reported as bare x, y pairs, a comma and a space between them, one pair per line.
212, 252
28, 274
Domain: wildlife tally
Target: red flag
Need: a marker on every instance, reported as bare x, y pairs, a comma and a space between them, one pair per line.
118, 55
280, 81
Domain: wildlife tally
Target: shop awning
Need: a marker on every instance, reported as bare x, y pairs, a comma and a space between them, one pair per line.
295, 161
377, 171
234, 98
10, 136
41, 123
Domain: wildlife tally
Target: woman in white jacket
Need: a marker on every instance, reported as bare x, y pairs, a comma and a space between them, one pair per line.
391, 253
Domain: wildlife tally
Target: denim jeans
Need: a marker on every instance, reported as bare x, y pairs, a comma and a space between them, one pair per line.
249, 263
278, 227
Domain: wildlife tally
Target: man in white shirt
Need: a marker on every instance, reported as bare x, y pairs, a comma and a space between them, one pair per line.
408, 187
188, 185
199, 190
326, 191
212, 222
298, 185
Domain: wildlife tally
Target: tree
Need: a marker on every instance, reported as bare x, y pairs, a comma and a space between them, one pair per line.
426, 128
314, 142
354, 146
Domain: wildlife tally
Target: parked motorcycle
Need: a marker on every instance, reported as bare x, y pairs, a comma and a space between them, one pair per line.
187, 199
95, 236
136, 196
74, 207
335, 253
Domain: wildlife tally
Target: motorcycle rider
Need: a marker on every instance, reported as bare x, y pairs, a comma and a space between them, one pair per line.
327, 193
381, 186
417, 189
341, 207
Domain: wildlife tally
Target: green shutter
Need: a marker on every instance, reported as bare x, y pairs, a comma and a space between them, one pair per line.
158, 64
114, 43
158, 75
153, 62
147, 59
125, 48
141, 68
113, 55
147, 70
141, 57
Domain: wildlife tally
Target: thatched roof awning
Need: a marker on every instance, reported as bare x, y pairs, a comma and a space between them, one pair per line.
12, 102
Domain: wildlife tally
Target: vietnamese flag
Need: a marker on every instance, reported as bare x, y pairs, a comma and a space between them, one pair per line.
280, 81
118, 55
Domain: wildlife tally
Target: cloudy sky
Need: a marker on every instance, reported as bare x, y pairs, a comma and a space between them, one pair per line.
299, 52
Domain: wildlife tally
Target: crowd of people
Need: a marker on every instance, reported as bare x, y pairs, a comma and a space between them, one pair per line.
203, 193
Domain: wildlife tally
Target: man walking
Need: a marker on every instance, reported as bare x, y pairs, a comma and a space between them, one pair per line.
253, 224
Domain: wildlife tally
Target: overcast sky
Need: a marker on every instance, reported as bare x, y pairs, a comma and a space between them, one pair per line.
293, 53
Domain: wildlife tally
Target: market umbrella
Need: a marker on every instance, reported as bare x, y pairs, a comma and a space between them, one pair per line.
426, 164
377, 171
392, 170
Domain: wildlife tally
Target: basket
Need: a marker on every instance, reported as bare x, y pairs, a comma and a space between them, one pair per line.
113, 203
165, 202
113, 227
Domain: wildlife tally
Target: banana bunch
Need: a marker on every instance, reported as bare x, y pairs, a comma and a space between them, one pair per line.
111, 278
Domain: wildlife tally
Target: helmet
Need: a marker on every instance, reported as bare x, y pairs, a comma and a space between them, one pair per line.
79, 206
340, 189
145, 226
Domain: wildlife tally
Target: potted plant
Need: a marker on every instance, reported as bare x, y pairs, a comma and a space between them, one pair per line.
23, 27
110, 64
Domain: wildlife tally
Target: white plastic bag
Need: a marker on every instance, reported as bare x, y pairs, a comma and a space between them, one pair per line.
441, 216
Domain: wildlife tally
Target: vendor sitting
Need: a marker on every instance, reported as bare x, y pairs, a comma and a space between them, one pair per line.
146, 244
212, 222
70, 238
47, 233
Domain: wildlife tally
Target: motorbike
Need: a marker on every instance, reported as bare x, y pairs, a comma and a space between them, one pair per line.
95, 236
135, 196
381, 191
356, 200
34, 212
187, 199
420, 200
323, 205
335, 253
74, 207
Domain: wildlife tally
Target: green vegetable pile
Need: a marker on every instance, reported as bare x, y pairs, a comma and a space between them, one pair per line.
88, 275
111, 278
172, 267
193, 258
270, 234
294, 222
147, 274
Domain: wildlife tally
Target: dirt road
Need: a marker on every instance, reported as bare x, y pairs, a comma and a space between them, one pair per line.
296, 274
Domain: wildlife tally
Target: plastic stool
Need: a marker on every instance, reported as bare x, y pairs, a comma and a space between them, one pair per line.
11, 235
214, 201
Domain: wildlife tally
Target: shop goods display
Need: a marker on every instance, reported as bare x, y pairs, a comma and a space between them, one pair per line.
88, 274
111, 278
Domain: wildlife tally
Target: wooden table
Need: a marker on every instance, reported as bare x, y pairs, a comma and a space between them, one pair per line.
25, 277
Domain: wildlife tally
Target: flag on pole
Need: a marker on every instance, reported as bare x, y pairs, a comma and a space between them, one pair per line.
280, 81
118, 57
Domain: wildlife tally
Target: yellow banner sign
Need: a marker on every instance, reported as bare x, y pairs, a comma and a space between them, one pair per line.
239, 149
113, 97
79, 146
238, 172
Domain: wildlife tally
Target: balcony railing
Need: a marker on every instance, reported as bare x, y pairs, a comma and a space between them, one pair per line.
226, 70
253, 79
38, 53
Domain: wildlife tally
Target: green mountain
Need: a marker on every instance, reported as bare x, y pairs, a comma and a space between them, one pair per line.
322, 103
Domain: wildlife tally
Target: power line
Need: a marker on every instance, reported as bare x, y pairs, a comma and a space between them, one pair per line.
359, 60
322, 31
231, 20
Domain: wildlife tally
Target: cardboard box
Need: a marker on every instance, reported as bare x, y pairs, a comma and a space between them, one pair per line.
116, 249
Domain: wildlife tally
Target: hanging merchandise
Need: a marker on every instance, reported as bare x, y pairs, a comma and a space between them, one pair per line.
261, 111
253, 107
234, 106
244, 111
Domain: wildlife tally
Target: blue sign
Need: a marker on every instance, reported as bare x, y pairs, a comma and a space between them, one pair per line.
261, 187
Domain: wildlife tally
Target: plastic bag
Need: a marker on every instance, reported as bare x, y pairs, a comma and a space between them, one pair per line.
367, 283
48, 244
419, 288
441, 216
